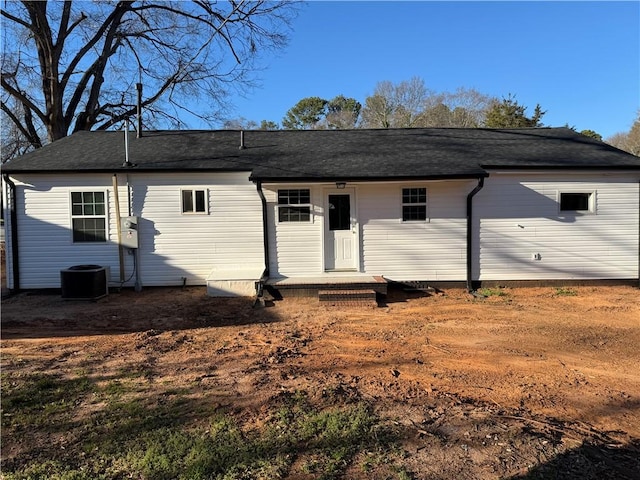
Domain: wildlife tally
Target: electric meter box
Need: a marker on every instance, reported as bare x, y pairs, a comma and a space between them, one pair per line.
129, 232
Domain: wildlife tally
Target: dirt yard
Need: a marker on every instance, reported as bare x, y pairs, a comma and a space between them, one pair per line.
525, 383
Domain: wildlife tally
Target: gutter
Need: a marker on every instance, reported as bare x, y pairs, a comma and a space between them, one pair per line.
15, 257
473, 192
338, 178
265, 235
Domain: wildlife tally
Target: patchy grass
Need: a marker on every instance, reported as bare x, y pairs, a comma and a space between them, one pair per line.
130, 437
565, 292
492, 292
40, 399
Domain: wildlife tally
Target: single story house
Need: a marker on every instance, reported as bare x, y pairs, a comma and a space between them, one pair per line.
235, 210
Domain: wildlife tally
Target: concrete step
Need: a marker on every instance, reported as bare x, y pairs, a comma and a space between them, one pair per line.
348, 297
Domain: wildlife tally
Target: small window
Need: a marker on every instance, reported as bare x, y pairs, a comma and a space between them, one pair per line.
194, 201
414, 204
88, 217
576, 202
294, 205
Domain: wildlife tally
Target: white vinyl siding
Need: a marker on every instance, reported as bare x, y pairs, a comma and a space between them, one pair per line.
519, 231
434, 250
524, 235
45, 232
295, 248
402, 251
171, 245
175, 246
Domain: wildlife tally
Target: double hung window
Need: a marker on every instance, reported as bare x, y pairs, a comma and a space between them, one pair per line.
294, 205
414, 204
89, 216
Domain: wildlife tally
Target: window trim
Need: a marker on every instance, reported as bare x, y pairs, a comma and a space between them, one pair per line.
592, 202
307, 205
193, 191
425, 203
104, 216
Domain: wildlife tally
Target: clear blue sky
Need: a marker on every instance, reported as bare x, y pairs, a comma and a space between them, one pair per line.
579, 60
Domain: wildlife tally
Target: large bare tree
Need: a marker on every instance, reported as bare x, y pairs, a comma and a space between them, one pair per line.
628, 141
464, 108
395, 105
69, 66
410, 104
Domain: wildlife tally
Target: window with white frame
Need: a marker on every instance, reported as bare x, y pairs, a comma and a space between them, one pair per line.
294, 205
194, 200
581, 202
414, 204
89, 216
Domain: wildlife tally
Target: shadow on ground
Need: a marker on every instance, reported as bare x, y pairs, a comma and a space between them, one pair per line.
590, 462
39, 315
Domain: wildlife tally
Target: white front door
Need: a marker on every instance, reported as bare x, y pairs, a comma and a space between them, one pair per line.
340, 250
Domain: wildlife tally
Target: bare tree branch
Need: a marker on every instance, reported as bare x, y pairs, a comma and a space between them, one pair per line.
128, 113
116, 14
77, 61
22, 98
13, 18
16, 122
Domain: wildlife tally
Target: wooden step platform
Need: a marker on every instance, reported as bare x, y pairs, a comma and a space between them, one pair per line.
311, 286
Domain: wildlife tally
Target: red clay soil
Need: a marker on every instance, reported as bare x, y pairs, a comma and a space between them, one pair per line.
527, 383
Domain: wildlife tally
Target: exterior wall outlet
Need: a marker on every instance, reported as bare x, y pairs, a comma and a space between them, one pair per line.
536, 256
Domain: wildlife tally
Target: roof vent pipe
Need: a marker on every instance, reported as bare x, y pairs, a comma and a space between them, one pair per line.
242, 147
126, 163
139, 110
126, 144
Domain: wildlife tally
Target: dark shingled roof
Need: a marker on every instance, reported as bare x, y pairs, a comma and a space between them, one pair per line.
317, 155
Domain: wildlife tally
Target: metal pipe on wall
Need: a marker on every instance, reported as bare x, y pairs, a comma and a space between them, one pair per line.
116, 197
470, 233
13, 219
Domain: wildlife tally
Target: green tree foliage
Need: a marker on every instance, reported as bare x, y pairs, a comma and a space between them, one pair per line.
306, 114
510, 114
69, 66
269, 125
591, 134
317, 113
343, 112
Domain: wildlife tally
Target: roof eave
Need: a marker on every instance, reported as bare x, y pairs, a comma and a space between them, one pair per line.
132, 169
561, 167
338, 178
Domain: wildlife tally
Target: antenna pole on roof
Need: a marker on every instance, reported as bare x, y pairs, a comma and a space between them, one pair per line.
139, 110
